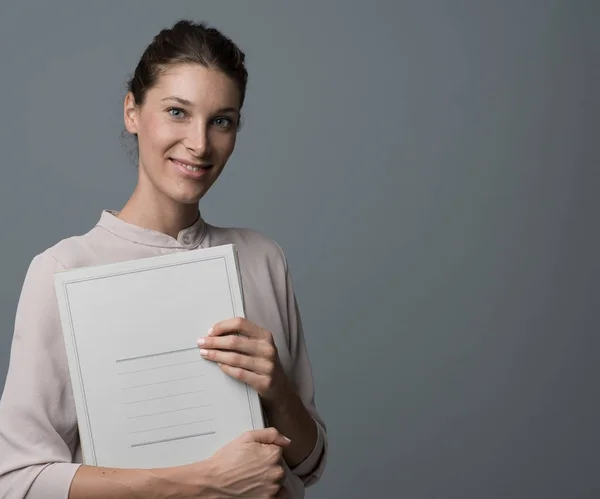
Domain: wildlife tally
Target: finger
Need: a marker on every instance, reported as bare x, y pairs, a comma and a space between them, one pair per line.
255, 365
280, 472
236, 343
261, 383
282, 494
235, 325
267, 436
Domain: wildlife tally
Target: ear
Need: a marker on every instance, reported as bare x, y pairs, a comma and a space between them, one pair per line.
130, 114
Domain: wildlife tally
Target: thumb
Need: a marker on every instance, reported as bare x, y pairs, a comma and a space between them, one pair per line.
268, 436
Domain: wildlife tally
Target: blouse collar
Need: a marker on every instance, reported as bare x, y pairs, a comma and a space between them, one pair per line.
188, 238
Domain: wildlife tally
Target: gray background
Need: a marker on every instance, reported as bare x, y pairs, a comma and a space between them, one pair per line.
430, 169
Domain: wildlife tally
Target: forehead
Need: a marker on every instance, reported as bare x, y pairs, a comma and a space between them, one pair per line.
204, 87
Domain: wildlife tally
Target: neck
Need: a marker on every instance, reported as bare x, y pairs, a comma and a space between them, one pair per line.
154, 213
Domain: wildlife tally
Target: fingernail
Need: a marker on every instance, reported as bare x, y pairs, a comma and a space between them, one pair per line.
201, 341
287, 439
210, 331
203, 352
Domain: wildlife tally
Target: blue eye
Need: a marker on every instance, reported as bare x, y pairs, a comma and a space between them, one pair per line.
223, 122
176, 112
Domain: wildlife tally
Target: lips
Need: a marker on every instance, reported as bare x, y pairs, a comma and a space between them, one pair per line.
190, 170
191, 166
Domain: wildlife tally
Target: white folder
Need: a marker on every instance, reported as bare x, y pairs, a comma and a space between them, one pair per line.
144, 396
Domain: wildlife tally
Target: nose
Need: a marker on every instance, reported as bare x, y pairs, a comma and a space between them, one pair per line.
197, 140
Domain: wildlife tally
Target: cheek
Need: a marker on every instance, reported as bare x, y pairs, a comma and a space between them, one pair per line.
225, 143
157, 135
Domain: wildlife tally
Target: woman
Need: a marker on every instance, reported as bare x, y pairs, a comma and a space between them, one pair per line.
183, 106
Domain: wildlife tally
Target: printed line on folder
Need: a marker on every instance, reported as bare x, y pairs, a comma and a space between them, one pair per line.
161, 367
162, 382
157, 354
140, 444
164, 397
168, 412
171, 426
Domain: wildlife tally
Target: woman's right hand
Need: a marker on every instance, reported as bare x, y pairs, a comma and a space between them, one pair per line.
249, 466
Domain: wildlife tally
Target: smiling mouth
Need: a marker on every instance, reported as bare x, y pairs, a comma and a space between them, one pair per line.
191, 166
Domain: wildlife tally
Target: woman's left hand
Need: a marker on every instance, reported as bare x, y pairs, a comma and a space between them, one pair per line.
247, 353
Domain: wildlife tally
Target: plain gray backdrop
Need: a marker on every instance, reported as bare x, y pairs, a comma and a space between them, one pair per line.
430, 169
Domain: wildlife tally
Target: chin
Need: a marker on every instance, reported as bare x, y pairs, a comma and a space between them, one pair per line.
189, 197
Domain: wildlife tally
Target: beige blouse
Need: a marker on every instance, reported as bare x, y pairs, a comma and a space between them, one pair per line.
39, 446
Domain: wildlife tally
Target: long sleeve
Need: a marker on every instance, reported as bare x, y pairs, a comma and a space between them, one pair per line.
38, 428
311, 469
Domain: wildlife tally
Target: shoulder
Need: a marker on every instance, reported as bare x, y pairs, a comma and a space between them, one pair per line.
70, 252
252, 245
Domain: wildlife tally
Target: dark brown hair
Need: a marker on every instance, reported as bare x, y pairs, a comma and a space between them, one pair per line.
187, 42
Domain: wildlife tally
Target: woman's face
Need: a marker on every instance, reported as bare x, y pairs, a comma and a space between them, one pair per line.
186, 130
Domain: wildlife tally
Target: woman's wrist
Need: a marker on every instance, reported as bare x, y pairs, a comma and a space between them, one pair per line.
179, 482
281, 399
289, 415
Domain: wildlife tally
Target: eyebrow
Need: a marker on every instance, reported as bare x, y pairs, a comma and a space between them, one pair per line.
185, 102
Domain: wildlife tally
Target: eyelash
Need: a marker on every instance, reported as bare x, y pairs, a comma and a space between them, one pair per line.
171, 109
179, 110
229, 122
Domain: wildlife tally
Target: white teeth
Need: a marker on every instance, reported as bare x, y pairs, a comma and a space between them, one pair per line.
188, 167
